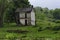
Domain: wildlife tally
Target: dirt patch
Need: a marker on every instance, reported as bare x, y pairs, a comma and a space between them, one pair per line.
17, 31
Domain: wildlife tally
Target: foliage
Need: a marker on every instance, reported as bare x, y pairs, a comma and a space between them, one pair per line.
46, 21
12, 6
10, 36
34, 32
56, 13
47, 18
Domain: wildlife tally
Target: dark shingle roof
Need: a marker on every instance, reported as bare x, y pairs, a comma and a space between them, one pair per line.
24, 9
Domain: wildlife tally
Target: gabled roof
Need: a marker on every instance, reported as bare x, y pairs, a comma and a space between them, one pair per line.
29, 9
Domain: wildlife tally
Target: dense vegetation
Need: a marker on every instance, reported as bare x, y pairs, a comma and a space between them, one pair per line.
47, 22
47, 27
8, 7
49, 19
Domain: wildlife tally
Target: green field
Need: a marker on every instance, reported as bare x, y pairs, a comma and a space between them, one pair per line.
47, 22
32, 31
46, 28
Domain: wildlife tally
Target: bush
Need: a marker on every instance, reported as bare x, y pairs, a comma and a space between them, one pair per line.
40, 29
56, 28
48, 28
10, 36
57, 21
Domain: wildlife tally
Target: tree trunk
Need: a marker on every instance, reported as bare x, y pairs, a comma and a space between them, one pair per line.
1, 21
2, 8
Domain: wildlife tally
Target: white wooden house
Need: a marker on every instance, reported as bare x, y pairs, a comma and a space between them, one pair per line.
26, 16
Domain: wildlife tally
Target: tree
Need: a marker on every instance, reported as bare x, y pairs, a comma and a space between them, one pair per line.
45, 10
20, 4
13, 5
2, 9
56, 13
9, 7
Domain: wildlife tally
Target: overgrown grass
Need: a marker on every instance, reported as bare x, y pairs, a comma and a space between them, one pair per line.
38, 31
33, 30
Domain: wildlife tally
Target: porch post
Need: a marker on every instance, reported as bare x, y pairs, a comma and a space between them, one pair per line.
25, 18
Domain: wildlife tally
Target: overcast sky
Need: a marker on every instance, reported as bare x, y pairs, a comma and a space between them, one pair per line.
51, 4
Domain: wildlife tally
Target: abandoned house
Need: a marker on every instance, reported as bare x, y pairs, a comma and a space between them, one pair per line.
25, 16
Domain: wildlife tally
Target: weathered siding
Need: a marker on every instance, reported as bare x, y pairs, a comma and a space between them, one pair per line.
29, 18
22, 15
28, 15
22, 20
32, 18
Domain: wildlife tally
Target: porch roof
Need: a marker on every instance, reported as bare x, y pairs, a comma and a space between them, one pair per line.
24, 9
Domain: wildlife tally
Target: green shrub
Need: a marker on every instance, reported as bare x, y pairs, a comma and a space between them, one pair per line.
56, 28
57, 21
48, 28
10, 36
40, 29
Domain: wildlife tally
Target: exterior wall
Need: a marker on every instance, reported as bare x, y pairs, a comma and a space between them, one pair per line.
22, 20
22, 15
29, 18
28, 15
32, 18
